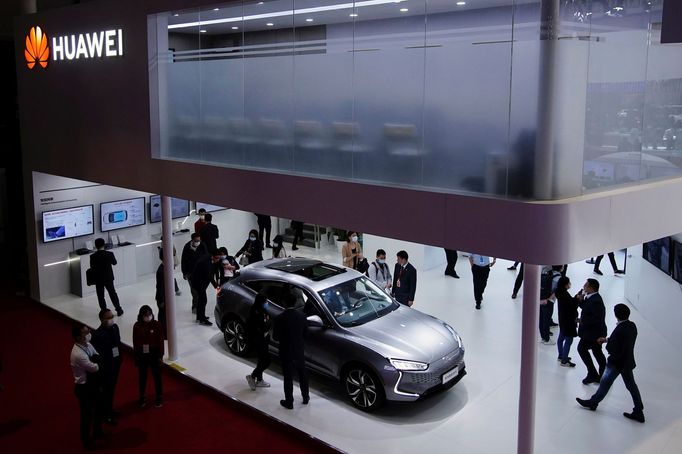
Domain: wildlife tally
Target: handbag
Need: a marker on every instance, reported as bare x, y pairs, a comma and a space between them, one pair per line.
243, 260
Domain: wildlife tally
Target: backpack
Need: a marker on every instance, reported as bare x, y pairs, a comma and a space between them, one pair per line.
546, 279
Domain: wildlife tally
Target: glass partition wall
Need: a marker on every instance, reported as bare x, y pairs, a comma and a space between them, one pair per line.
460, 96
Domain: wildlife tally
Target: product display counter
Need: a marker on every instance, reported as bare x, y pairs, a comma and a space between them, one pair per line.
125, 271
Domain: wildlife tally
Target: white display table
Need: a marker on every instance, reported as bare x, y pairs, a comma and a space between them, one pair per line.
125, 271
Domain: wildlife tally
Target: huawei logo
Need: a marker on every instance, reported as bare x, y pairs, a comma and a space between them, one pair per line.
36, 50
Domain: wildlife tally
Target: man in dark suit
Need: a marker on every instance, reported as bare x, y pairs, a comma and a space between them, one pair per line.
190, 253
289, 329
200, 280
621, 348
404, 280
107, 341
451, 258
209, 233
592, 326
264, 226
101, 263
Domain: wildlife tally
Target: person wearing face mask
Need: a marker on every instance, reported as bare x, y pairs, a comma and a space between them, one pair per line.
223, 268
258, 334
200, 222
190, 253
149, 350
252, 249
278, 251
201, 278
351, 252
209, 233
107, 341
84, 359
379, 272
404, 280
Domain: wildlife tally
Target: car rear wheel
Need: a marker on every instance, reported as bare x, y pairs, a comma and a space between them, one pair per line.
235, 336
363, 388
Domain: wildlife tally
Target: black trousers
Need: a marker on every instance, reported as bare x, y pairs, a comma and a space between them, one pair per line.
289, 368
261, 349
99, 289
612, 259
519, 281
480, 274
267, 227
584, 347
154, 364
451, 257
202, 300
90, 412
298, 233
109, 381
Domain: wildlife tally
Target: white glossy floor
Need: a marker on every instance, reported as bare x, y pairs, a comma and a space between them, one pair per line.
479, 414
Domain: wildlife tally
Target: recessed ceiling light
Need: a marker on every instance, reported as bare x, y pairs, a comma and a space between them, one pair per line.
353, 15
404, 10
260, 3
175, 15
461, 3
202, 31
235, 28
310, 19
269, 24
216, 9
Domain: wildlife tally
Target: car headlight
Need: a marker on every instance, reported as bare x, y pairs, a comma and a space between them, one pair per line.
402, 364
454, 334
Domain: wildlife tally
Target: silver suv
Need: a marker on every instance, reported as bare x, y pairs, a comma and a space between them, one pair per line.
379, 349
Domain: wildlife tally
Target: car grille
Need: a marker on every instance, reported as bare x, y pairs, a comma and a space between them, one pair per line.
416, 382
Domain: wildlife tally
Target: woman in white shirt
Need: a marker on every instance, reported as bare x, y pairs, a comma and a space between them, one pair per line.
379, 272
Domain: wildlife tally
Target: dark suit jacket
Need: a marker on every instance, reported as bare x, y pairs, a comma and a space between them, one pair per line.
201, 274
209, 235
568, 312
101, 263
160, 286
592, 318
189, 257
621, 345
289, 329
408, 283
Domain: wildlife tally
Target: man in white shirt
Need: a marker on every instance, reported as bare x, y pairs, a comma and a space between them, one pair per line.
84, 360
380, 273
480, 270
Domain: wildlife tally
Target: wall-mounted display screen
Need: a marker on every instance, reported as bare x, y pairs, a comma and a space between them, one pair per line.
68, 223
179, 208
677, 261
208, 207
657, 253
122, 214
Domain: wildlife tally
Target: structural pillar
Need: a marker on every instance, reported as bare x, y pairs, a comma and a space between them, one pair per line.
529, 351
169, 282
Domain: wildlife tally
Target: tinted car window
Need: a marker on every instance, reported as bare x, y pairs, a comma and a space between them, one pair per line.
357, 301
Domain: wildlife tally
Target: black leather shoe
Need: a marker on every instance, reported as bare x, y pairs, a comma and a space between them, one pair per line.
478, 304
596, 271
635, 416
119, 312
305, 400
586, 403
286, 404
587, 380
619, 272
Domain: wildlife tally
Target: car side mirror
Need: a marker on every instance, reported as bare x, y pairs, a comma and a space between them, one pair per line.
316, 321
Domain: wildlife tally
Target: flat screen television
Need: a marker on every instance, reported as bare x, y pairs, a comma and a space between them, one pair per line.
121, 214
179, 208
677, 261
208, 207
68, 223
657, 253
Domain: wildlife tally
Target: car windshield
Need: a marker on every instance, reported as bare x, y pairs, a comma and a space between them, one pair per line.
357, 301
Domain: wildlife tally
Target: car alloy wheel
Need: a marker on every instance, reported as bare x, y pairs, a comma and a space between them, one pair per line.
235, 336
363, 389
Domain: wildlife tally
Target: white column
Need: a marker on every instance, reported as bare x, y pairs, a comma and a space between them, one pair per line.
529, 351
167, 232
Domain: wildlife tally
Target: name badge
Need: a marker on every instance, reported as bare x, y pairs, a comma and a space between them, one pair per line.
397, 284
114, 352
145, 348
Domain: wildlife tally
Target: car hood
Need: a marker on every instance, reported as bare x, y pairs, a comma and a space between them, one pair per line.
406, 334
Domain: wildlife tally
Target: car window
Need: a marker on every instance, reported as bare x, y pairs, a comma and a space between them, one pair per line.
272, 290
357, 301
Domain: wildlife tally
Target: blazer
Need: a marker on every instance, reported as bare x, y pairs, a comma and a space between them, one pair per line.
408, 283
209, 236
101, 263
150, 334
105, 339
290, 329
592, 318
189, 257
202, 273
567, 306
347, 252
621, 346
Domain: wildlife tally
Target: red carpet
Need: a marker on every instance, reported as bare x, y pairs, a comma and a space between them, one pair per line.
39, 413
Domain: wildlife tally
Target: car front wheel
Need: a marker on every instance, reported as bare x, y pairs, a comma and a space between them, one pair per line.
363, 388
235, 336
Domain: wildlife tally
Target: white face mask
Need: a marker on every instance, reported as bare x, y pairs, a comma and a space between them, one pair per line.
354, 238
252, 238
223, 257
381, 261
147, 318
201, 216
196, 243
109, 323
88, 338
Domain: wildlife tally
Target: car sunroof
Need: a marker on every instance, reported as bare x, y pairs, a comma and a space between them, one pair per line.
312, 269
